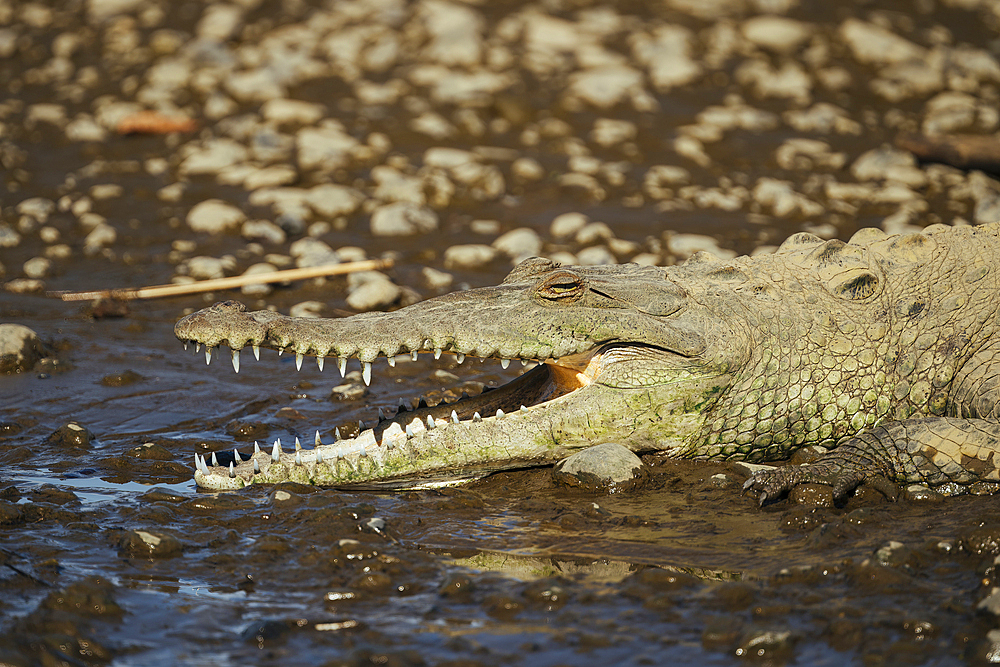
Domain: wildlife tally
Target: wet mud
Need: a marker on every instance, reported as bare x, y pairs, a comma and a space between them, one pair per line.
597, 132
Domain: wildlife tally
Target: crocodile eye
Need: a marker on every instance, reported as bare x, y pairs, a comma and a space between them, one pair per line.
562, 285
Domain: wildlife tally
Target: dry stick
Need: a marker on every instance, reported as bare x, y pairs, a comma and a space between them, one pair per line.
226, 283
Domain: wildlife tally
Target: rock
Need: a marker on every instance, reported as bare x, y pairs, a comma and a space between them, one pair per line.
330, 201
403, 218
37, 267
283, 111
609, 132
20, 348
8, 237
258, 289
667, 55
100, 10
325, 148
685, 245
436, 280
519, 244
455, 33
219, 22
470, 256
263, 231
604, 87
593, 232
872, 45
527, 170
214, 216
307, 309
83, 127
889, 163
256, 85
595, 256
211, 158
776, 33
101, 236
601, 466
312, 252
208, 268
71, 435
150, 451
782, 200
149, 544
567, 224
375, 293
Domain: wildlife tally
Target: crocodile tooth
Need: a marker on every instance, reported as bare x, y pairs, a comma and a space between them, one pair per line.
256, 467
402, 407
459, 357
342, 366
204, 465
197, 348
197, 464
413, 355
319, 457
281, 351
391, 360
185, 346
232, 473
256, 448
256, 352
524, 409
361, 427
215, 461
437, 353
381, 415
430, 422
298, 445
504, 363
298, 361
500, 413
477, 418
336, 434
236, 360
524, 362
208, 356
316, 441
298, 457
366, 372
454, 417
409, 431
236, 455
276, 451
422, 403
319, 363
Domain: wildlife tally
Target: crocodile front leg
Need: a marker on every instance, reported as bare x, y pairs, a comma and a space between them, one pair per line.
946, 452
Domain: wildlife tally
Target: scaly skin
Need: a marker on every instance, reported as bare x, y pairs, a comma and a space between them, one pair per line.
885, 350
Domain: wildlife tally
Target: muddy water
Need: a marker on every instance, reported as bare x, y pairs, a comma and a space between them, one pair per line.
110, 555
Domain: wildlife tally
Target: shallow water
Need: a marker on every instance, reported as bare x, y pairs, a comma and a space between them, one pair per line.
512, 569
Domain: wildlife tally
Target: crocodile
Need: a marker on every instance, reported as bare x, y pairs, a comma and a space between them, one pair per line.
884, 352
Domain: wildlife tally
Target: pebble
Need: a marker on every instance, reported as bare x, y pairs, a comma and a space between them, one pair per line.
685, 245
263, 231
567, 224
284, 111
376, 293
324, 148
37, 267
259, 290
776, 33
215, 216
402, 219
309, 251
212, 157
595, 255
209, 268
519, 244
469, 256
604, 465
20, 348
149, 544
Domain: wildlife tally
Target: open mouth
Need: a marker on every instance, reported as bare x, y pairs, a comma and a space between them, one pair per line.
548, 380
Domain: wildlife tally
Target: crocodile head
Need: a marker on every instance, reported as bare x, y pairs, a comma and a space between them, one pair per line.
624, 352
